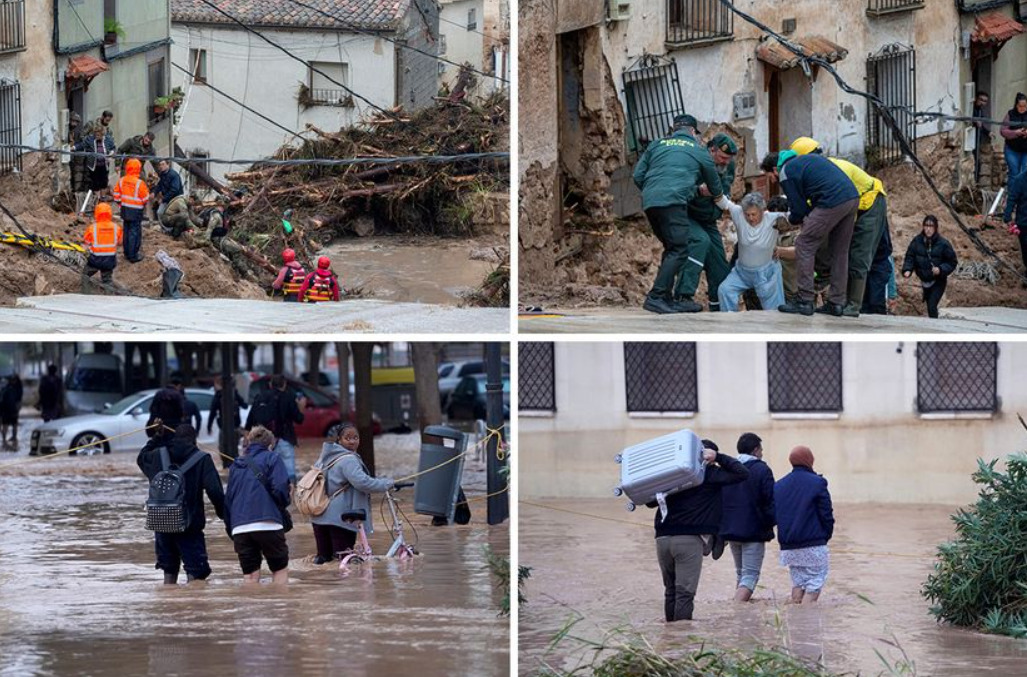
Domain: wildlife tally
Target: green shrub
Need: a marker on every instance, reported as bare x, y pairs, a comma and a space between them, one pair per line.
980, 579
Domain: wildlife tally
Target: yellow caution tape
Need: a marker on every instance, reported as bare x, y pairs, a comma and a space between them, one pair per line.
20, 239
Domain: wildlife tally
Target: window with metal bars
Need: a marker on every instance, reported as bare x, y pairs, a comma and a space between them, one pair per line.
652, 92
804, 377
881, 7
661, 377
12, 25
956, 377
698, 21
536, 378
10, 125
891, 76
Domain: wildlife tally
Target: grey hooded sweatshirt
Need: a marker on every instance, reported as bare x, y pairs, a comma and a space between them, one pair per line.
349, 469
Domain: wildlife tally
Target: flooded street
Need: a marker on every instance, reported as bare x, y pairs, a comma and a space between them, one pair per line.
79, 594
880, 556
422, 270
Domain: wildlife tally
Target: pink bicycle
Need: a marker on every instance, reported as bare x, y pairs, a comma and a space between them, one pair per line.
361, 551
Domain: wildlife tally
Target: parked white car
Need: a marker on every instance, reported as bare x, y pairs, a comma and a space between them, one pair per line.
124, 416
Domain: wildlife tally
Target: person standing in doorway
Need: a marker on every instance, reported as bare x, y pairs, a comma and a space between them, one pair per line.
1014, 131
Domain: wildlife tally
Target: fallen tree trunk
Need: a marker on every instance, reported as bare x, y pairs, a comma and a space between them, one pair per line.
197, 171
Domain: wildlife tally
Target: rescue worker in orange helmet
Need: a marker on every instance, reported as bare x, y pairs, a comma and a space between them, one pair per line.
131, 193
290, 277
102, 239
322, 284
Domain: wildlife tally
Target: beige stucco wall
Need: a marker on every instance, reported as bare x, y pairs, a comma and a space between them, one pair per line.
462, 45
35, 69
79, 22
877, 449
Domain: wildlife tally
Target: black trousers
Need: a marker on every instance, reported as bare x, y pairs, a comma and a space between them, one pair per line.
933, 294
670, 225
332, 540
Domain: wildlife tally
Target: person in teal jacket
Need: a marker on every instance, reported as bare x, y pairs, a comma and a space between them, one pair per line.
669, 174
705, 244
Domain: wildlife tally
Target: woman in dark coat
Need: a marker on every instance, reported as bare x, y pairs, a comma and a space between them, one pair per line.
933, 259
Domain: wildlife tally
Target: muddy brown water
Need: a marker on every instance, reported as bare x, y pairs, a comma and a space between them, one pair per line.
79, 594
607, 573
422, 270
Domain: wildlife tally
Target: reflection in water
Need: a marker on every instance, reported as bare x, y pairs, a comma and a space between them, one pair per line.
607, 573
79, 594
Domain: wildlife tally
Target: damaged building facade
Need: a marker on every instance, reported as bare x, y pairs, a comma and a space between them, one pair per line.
655, 59
350, 48
59, 58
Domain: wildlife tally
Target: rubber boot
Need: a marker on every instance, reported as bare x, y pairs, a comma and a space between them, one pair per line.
170, 579
87, 285
854, 302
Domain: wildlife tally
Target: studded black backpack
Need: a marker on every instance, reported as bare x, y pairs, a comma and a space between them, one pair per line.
165, 506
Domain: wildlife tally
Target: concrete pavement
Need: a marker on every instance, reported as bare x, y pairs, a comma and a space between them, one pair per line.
70, 313
638, 321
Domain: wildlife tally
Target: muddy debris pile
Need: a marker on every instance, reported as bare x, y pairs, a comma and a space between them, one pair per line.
322, 202
41, 212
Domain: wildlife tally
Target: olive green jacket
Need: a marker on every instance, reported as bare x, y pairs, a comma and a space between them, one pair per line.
671, 170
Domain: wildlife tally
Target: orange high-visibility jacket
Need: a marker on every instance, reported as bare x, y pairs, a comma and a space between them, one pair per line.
131, 192
103, 237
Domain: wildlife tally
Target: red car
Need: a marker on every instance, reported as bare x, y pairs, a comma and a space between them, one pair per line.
322, 410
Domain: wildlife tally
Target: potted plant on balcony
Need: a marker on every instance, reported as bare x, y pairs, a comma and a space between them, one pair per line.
112, 30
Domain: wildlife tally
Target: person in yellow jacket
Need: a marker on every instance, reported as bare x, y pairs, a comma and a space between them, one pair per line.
102, 238
131, 193
871, 224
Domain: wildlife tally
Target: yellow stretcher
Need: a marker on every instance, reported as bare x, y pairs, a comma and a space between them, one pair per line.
7, 237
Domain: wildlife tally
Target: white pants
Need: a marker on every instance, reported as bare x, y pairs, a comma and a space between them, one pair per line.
767, 282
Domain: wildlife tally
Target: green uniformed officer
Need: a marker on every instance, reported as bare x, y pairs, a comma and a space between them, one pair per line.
705, 244
669, 174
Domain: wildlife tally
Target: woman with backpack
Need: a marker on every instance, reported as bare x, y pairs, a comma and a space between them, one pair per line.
256, 514
200, 475
348, 485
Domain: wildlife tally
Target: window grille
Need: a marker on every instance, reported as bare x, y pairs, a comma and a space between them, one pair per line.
661, 377
653, 95
804, 377
10, 125
891, 76
12, 25
536, 377
697, 21
956, 377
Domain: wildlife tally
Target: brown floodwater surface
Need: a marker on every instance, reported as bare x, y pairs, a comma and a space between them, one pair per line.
79, 594
421, 270
881, 554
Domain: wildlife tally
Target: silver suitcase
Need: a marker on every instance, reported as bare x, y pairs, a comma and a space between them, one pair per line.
665, 465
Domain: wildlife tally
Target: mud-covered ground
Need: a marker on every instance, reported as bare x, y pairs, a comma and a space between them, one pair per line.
616, 267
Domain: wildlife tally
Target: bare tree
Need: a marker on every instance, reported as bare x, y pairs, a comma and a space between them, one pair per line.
342, 352
314, 351
426, 383
362, 353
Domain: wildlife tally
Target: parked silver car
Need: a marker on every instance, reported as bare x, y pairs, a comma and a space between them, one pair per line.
122, 420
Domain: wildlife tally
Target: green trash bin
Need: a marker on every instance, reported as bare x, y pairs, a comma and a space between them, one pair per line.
435, 493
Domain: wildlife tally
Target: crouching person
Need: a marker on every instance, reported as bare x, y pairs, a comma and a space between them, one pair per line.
197, 468
256, 502
349, 485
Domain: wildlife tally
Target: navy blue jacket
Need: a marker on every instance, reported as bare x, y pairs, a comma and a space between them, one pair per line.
1017, 199
697, 511
169, 186
246, 500
202, 477
812, 181
802, 505
749, 506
